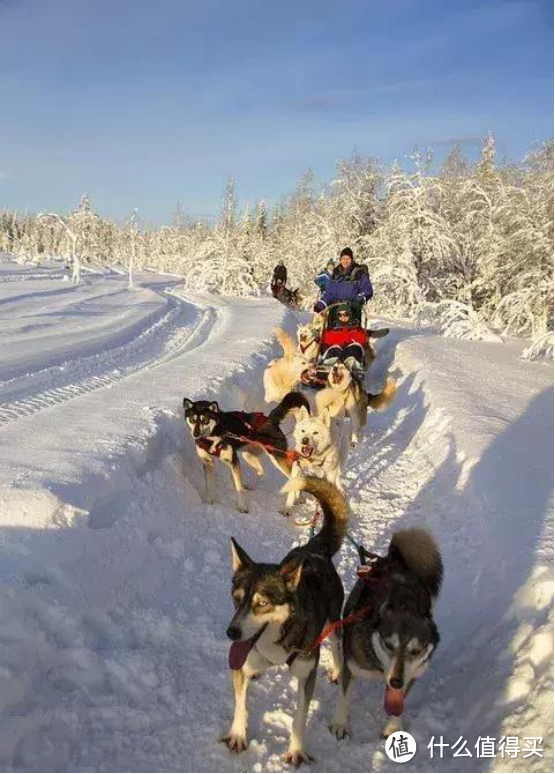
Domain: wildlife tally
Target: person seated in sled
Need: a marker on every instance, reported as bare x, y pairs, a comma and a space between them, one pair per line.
323, 279
279, 279
349, 282
344, 339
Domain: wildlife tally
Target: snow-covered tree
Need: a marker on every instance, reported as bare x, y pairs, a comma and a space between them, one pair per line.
470, 246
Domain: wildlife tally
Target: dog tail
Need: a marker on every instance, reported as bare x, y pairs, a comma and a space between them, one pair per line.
287, 343
334, 505
290, 403
417, 549
377, 333
383, 399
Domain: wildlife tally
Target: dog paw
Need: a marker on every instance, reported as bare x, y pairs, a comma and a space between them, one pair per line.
285, 512
334, 675
242, 508
390, 728
340, 731
235, 743
296, 757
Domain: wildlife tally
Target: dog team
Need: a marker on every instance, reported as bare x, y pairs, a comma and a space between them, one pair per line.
284, 611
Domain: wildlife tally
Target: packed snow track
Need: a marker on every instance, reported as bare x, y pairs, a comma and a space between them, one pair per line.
109, 341
115, 576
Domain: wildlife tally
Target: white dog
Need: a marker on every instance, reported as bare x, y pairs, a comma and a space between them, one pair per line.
345, 393
283, 374
323, 447
308, 337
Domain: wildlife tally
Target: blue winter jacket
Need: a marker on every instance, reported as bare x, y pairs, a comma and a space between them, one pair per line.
354, 286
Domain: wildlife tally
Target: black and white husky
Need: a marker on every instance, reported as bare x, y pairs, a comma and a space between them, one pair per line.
281, 610
222, 434
395, 637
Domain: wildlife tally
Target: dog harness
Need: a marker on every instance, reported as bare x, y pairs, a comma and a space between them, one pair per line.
210, 447
376, 573
252, 421
304, 347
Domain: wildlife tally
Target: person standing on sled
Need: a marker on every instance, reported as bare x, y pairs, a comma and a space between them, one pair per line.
279, 279
323, 279
345, 339
349, 282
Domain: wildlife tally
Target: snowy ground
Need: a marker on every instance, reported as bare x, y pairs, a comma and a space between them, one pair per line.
115, 576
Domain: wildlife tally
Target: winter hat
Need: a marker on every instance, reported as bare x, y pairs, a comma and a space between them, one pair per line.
346, 251
344, 308
331, 262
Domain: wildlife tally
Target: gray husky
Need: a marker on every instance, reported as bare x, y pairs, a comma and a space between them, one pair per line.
281, 610
396, 636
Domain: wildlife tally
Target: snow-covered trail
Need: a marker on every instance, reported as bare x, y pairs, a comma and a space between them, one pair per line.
115, 576
70, 341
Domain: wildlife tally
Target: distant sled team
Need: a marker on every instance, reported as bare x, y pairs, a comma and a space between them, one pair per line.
285, 611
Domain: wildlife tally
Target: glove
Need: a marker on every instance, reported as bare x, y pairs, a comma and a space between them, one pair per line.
319, 306
360, 300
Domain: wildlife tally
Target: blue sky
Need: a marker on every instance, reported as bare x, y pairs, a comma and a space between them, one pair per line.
142, 104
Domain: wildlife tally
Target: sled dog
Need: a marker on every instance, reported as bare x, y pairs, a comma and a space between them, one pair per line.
345, 392
284, 374
370, 352
322, 446
290, 298
308, 338
222, 434
281, 610
395, 638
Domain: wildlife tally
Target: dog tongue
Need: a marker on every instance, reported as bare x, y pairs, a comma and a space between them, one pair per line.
394, 701
239, 652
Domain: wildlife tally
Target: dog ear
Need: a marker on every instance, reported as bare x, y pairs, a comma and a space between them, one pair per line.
302, 414
325, 416
240, 560
187, 404
214, 407
292, 572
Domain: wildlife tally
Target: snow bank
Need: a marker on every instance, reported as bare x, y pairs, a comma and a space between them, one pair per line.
115, 576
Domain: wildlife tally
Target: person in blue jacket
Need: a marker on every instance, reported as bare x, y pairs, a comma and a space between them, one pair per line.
349, 282
322, 280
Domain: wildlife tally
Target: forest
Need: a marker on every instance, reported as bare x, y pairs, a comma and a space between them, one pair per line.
467, 247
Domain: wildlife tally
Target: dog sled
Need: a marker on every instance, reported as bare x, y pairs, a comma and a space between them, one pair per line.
316, 375
289, 298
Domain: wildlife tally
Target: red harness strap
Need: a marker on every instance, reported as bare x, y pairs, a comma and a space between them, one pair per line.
290, 454
350, 619
252, 420
257, 419
364, 572
209, 448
